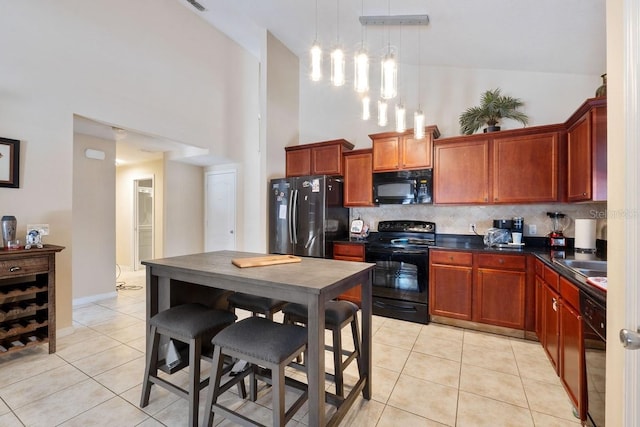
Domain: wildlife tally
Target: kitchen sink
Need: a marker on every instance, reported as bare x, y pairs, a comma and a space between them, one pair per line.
586, 268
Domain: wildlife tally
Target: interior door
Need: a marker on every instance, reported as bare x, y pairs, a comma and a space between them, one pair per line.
220, 210
143, 221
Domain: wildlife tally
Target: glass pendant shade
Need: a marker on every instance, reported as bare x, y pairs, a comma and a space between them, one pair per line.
366, 108
361, 71
389, 76
316, 62
382, 112
418, 124
337, 67
401, 118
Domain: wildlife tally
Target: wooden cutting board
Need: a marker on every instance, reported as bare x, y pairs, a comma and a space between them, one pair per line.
264, 260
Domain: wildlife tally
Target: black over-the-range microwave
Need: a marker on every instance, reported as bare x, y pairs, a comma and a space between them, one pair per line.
403, 187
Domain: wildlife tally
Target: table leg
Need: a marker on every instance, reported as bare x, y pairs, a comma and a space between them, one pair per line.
315, 358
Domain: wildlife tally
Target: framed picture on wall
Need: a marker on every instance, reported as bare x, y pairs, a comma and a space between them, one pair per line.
9, 163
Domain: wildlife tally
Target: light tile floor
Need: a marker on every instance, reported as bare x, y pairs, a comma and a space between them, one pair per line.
423, 375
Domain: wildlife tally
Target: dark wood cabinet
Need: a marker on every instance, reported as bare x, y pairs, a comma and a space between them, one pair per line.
587, 152
572, 369
500, 290
320, 158
551, 324
358, 178
525, 168
394, 151
461, 172
27, 298
506, 167
348, 251
451, 284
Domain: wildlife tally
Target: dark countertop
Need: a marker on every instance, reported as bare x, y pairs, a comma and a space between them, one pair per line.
532, 246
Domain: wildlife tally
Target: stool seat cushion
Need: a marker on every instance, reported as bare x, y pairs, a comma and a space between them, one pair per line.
262, 339
255, 303
192, 320
335, 312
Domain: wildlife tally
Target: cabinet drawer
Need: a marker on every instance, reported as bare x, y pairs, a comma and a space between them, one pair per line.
514, 262
23, 267
451, 257
551, 277
353, 250
570, 293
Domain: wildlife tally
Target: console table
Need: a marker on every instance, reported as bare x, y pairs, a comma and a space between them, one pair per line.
311, 282
27, 298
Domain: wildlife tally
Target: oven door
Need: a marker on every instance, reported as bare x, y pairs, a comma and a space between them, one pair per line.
400, 280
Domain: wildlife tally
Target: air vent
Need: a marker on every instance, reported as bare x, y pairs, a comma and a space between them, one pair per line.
197, 5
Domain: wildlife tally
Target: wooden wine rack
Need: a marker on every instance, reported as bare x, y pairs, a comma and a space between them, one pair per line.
27, 298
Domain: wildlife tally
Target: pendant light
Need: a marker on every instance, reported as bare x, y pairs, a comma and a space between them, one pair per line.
382, 112
337, 55
361, 65
418, 116
366, 107
401, 112
316, 55
389, 71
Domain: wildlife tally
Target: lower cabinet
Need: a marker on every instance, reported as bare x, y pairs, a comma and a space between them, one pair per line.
480, 287
560, 332
348, 251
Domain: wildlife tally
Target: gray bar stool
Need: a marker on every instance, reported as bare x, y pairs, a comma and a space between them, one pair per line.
194, 324
338, 314
255, 304
263, 343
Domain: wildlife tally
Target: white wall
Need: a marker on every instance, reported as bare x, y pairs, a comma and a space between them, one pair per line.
93, 218
327, 112
148, 65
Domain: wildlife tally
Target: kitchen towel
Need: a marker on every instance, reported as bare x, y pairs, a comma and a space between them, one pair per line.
585, 234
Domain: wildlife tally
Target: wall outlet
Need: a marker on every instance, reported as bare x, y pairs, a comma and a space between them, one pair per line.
533, 229
43, 228
472, 228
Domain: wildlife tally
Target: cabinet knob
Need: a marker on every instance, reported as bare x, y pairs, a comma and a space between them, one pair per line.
14, 269
451, 257
584, 194
555, 304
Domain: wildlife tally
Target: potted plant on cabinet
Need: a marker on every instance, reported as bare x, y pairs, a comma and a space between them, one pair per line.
493, 107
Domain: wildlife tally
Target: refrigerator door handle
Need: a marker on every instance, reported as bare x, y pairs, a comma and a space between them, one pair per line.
294, 217
289, 218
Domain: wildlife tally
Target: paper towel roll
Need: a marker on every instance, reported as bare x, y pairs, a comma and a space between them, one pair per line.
585, 234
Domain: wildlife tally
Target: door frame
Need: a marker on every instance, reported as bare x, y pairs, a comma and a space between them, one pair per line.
136, 243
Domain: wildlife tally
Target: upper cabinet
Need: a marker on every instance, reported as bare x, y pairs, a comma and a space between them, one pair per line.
320, 158
394, 151
587, 152
358, 178
506, 167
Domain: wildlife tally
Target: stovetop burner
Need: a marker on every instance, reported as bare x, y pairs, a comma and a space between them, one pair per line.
404, 234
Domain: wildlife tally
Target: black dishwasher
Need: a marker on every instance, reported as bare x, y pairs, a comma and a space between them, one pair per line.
594, 318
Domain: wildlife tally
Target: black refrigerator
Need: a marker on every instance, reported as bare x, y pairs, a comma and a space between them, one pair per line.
306, 215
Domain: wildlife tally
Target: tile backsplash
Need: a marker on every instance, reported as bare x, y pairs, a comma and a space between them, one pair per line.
456, 219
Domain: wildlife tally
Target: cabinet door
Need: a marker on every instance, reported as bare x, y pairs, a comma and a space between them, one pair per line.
579, 157
450, 291
461, 173
539, 309
500, 297
551, 324
298, 162
572, 357
525, 169
386, 153
417, 153
358, 178
350, 252
326, 160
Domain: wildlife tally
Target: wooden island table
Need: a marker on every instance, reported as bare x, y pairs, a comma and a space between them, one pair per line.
311, 282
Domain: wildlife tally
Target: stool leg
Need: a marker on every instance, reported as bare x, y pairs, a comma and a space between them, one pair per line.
152, 365
337, 361
212, 395
355, 332
277, 390
194, 380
